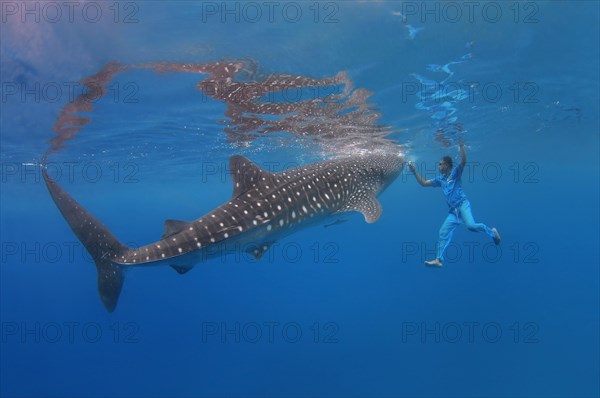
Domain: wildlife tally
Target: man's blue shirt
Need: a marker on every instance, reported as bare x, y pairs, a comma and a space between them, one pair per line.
452, 186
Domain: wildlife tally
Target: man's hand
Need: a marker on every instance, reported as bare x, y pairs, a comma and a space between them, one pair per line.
421, 181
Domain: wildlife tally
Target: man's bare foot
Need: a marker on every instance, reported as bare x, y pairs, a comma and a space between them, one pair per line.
496, 236
434, 263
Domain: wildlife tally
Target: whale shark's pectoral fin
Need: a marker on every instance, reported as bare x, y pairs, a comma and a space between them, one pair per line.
182, 269
174, 226
365, 203
258, 250
246, 175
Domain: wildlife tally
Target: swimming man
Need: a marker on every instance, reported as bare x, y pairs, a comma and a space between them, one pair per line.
460, 208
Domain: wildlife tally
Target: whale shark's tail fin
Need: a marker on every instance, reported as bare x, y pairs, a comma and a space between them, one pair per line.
97, 239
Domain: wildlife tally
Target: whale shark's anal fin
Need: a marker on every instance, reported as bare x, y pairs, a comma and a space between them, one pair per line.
181, 269
96, 238
258, 250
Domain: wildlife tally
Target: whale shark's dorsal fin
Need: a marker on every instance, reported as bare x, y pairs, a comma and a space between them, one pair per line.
365, 203
246, 175
174, 226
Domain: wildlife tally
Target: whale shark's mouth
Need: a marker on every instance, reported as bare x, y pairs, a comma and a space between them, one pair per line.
327, 111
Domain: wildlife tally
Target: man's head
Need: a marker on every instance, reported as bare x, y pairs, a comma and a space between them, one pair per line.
445, 165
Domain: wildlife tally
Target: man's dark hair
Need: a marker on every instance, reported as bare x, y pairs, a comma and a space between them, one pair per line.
447, 160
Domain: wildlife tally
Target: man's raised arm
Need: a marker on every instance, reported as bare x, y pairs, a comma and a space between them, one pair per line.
424, 183
463, 154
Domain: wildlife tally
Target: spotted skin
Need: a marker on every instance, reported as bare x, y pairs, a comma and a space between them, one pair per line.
264, 207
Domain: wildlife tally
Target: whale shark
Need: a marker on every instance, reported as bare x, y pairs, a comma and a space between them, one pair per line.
264, 208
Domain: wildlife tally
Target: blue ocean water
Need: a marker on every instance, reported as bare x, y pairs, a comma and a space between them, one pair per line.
346, 309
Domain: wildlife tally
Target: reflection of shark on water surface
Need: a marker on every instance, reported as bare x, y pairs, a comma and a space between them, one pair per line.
264, 207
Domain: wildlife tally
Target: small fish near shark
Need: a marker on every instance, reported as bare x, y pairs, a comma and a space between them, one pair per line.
264, 207
336, 222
